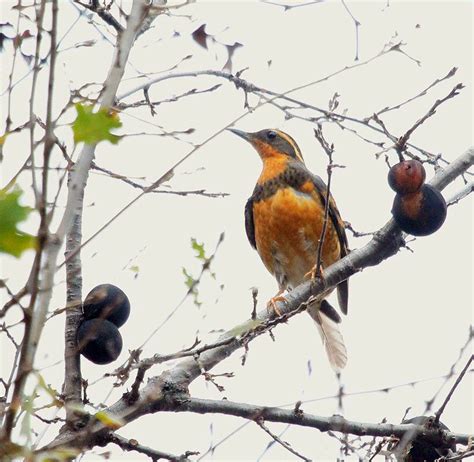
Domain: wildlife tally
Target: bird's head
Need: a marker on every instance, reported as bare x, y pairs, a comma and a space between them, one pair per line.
271, 143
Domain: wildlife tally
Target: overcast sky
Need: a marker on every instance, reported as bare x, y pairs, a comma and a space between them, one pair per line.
408, 318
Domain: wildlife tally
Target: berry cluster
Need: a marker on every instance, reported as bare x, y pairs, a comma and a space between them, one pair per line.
418, 208
106, 308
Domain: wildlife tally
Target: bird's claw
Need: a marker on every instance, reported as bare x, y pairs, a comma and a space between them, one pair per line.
315, 273
271, 305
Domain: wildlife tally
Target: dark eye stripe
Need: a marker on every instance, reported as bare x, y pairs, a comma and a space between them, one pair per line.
294, 146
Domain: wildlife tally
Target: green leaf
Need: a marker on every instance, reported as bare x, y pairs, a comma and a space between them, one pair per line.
191, 284
12, 240
199, 248
93, 127
189, 280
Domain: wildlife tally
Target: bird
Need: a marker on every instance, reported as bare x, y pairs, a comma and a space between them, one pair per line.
284, 219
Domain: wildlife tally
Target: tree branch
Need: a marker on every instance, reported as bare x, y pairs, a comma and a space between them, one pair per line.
335, 423
103, 13
286, 445
72, 220
450, 394
271, 96
169, 390
33, 312
153, 454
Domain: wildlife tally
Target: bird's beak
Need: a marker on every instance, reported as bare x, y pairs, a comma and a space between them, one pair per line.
246, 136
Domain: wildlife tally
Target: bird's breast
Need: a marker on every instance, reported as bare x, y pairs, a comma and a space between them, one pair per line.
288, 226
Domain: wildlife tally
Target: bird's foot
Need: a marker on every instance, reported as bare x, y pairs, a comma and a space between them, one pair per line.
271, 304
315, 273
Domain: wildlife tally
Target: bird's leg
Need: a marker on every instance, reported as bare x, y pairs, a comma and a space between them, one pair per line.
316, 272
271, 304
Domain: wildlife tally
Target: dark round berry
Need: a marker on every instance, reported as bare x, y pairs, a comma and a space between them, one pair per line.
107, 301
99, 341
420, 213
407, 176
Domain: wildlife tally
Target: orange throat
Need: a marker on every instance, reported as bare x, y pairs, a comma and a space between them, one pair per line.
272, 167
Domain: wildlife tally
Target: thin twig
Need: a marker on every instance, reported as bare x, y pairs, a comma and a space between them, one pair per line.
103, 13
453, 388
153, 454
464, 192
271, 96
401, 143
357, 24
329, 149
290, 6
460, 456
32, 322
197, 192
450, 74
287, 446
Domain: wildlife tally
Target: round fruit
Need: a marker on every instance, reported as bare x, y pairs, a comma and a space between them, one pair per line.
107, 301
99, 341
420, 213
407, 176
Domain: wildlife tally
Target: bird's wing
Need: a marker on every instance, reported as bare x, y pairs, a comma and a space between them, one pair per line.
334, 214
338, 223
249, 223
330, 335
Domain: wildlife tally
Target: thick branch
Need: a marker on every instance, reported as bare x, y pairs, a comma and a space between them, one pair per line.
334, 423
169, 390
72, 220
72, 389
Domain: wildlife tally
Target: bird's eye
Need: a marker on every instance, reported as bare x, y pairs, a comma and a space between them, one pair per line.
271, 135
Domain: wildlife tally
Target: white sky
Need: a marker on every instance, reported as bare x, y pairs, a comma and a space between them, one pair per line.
408, 317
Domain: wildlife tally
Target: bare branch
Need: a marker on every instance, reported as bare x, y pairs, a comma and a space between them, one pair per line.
197, 192
357, 24
287, 446
468, 189
103, 13
270, 96
453, 388
290, 6
329, 149
335, 423
450, 74
401, 143
31, 332
153, 454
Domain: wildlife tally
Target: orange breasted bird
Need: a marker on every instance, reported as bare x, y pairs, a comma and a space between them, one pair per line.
284, 220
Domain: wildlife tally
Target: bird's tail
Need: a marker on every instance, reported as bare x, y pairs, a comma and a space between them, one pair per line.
327, 320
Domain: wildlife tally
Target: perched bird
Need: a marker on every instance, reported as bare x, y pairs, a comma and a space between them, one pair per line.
284, 220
